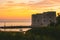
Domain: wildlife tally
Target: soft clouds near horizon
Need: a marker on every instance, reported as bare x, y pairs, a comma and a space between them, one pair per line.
23, 9
21, 1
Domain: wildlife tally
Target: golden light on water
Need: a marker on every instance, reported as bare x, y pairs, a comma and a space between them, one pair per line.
15, 29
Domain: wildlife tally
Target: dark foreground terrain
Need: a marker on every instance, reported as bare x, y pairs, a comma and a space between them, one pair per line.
45, 33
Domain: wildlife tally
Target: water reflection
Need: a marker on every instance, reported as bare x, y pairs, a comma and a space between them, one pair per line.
15, 29
15, 23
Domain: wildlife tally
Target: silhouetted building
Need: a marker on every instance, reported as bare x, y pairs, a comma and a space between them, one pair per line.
43, 19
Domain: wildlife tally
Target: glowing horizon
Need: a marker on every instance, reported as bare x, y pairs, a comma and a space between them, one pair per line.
23, 9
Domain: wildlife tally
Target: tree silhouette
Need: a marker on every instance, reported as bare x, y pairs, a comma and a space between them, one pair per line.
58, 19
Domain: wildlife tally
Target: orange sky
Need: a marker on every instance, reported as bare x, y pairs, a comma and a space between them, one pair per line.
23, 9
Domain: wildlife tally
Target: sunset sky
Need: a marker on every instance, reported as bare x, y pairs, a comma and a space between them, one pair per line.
23, 9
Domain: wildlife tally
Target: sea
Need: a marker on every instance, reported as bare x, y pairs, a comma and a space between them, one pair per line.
2, 24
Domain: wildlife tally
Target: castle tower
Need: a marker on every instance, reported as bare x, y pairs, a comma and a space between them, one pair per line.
43, 19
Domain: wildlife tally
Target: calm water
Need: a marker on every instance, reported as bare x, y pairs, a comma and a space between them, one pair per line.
15, 24
15, 30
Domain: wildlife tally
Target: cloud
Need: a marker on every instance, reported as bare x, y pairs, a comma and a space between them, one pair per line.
30, 3
22, 1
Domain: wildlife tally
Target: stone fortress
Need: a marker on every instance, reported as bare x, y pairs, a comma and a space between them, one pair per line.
43, 19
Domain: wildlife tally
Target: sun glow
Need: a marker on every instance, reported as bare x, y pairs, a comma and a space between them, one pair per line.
23, 9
